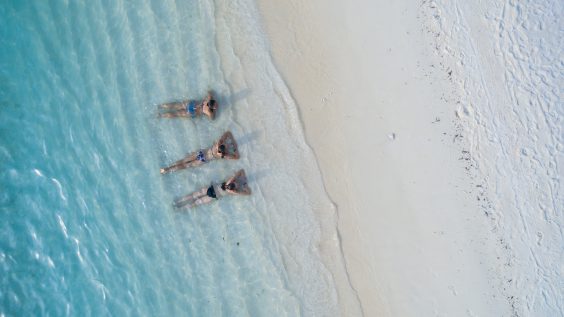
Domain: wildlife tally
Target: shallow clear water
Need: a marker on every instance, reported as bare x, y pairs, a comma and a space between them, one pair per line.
86, 223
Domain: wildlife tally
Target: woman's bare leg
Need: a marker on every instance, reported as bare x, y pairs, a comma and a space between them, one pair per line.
173, 105
201, 201
183, 201
190, 198
173, 168
189, 160
177, 114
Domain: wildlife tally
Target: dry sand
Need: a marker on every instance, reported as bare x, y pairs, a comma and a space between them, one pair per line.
378, 113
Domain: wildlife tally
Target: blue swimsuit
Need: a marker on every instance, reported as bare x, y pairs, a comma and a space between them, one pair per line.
201, 157
191, 108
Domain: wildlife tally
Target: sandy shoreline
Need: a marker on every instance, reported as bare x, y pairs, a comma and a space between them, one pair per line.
379, 117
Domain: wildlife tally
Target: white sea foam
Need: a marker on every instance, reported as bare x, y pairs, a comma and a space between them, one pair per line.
63, 226
59, 188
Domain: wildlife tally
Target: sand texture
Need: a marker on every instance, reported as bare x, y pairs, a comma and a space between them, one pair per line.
439, 144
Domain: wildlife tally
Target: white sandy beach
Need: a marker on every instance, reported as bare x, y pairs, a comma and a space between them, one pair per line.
382, 112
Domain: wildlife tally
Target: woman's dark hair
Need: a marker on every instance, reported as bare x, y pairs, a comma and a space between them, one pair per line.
221, 150
231, 186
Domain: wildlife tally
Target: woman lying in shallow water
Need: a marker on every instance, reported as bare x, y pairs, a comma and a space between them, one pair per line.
235, 185
189, 108
224, 148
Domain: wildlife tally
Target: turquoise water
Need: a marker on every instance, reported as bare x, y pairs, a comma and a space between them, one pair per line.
86, 223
